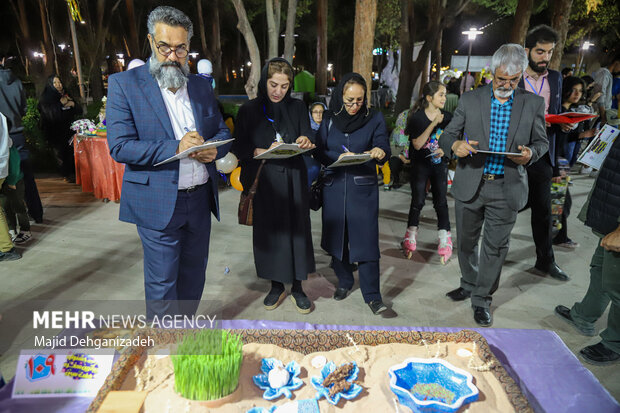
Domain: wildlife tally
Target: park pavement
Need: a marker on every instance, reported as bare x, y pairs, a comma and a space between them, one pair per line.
82, 251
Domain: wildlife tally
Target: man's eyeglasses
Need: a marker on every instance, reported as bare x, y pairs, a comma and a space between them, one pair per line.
502, 82
165, 50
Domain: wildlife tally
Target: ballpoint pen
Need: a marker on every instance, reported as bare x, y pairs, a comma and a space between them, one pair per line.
467, 140
344, 148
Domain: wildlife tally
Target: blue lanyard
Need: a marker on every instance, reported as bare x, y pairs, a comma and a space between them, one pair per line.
534, 90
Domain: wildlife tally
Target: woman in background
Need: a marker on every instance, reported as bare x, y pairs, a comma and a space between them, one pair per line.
568, 144
58, 111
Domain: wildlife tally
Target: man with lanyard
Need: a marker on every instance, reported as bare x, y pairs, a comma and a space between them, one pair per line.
540, 80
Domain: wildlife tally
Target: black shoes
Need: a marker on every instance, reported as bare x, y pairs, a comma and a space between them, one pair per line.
599, 355
564, 313
377, 307
554, 271
341, 293
274, 298
301, 301
459, 294
482, 316
10, 255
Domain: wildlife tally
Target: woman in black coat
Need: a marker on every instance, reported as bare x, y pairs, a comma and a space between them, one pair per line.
58, 111
350, 195
282, 239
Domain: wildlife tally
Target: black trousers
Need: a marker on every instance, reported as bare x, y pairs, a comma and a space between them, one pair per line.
539, 176
396, 166
562, 235
368, 273
31, 195
421, 172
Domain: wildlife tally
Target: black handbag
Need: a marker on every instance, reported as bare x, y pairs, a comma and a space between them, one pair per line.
316, 192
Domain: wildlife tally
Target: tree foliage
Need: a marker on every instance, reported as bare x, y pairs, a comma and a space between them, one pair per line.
509, 7
388, 23
595, 19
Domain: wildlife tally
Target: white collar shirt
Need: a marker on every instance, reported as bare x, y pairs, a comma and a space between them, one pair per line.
179, 108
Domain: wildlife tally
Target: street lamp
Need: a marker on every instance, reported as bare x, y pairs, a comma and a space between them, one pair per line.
471, 36
194, 54
62, 47
584, 48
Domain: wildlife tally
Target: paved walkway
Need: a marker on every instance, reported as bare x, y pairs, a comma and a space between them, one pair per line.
83, 252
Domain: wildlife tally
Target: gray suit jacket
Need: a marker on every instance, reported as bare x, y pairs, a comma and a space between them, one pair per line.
473, 116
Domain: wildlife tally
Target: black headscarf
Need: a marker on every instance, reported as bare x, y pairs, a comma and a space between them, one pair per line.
338, 113
278, 112
50, 93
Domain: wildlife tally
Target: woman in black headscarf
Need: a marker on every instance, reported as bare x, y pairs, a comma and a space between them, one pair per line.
282, 239
58, 111
350, 194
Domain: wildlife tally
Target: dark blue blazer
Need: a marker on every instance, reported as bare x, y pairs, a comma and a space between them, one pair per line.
140, 135
351, 194
555, 106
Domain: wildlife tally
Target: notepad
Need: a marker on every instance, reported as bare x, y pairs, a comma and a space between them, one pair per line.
187, 152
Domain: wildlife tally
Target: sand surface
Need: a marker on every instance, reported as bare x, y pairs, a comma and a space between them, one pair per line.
156, 376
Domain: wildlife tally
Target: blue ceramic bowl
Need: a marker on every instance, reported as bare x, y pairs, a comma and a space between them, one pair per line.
262, 380
404, 376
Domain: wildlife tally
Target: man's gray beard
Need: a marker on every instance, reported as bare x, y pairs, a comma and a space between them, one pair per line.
168, 74
503, 93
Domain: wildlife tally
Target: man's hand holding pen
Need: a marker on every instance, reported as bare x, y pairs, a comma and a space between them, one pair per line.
191, 139
463, 148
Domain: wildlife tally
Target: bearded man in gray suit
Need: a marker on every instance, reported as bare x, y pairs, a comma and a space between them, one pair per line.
491, 188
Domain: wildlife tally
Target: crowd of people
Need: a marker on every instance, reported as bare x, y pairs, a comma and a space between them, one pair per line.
504, 153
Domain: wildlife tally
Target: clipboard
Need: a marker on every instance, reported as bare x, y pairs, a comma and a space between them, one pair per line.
349, 160
282, 151
187, 152
498, 153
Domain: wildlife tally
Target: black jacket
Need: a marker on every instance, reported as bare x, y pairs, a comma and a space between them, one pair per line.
604, 208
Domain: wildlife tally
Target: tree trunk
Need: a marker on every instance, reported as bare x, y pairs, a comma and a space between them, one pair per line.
272, 34
48, 47
363, 39
289, 38
251, 86
440, 16
201, 30
22, 19
405, 84
559, 21
522, 21
321, 48
134, 45
216, 43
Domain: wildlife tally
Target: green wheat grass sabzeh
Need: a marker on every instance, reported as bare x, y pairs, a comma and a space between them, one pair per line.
207, 364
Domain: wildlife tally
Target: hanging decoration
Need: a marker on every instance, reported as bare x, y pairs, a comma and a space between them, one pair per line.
74, 8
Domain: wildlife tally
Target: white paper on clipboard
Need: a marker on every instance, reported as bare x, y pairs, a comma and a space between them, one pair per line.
187, 152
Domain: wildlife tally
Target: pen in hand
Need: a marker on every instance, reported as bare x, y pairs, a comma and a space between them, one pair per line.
344, 148
467, 140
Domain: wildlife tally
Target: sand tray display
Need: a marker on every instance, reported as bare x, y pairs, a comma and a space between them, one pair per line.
310, 355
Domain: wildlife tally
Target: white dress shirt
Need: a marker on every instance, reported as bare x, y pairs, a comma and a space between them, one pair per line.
179, 107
